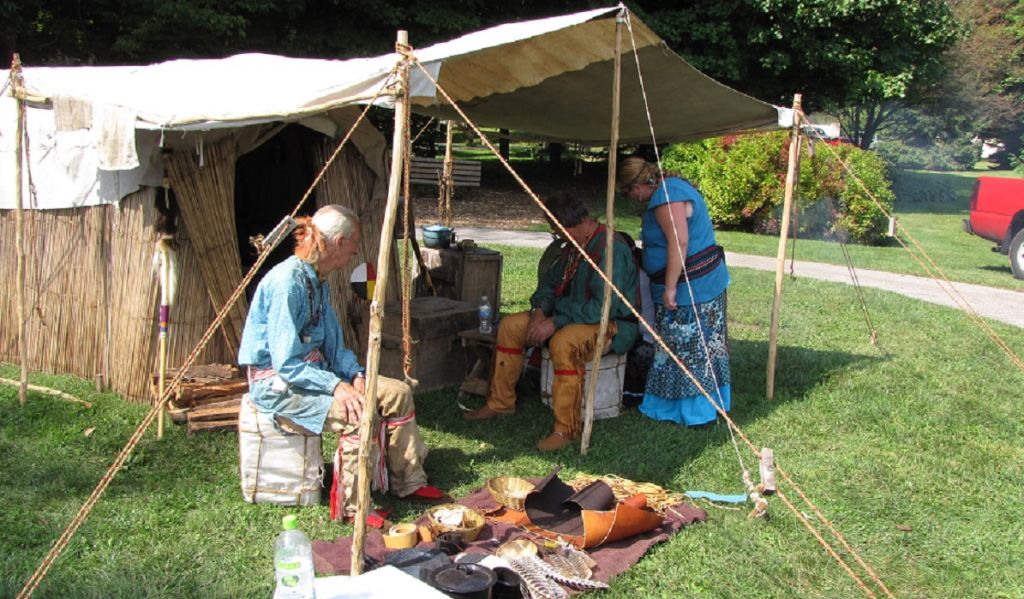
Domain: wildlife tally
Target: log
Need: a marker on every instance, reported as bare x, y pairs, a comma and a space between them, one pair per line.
48, 391
190, 393
216, 399
213, 371
213, 425
216, 411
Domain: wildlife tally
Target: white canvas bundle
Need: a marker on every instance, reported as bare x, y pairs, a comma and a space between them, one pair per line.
276, 467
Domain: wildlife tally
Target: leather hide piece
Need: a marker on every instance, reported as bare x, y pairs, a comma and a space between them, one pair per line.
587, 518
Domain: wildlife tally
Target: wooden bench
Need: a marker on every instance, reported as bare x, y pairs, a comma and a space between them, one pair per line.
427, 171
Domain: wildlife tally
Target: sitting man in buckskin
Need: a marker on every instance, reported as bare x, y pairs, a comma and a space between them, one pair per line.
303, 377
565, 315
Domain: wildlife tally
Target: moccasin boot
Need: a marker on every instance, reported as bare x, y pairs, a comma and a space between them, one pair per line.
554, 442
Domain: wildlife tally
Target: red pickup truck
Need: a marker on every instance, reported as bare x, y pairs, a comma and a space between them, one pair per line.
997, 214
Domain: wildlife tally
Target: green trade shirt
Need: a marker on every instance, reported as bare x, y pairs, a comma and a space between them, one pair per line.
582, 301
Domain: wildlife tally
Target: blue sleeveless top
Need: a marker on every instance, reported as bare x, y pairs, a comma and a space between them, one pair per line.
701, 236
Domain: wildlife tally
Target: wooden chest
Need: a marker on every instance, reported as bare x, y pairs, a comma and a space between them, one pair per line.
466, 275
438, 357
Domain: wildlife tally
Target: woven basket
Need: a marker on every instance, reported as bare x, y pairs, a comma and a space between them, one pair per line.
472, 521
509, 491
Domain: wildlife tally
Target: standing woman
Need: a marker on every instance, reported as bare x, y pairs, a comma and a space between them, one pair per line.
675, 224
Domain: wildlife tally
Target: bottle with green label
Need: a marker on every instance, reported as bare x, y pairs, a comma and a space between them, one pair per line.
293, 562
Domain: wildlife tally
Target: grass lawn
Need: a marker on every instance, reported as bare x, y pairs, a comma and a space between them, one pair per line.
911, 447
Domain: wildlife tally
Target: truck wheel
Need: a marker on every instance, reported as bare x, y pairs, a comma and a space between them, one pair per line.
1017, 255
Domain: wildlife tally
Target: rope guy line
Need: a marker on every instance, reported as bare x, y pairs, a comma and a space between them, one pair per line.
664, 346
933, 271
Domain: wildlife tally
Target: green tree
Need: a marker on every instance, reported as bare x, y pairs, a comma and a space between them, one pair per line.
858, 54
980, 96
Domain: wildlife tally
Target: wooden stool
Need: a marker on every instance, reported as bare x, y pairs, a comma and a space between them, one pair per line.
277, 467
482, 347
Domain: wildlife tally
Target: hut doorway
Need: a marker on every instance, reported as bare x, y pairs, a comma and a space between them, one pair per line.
269, 181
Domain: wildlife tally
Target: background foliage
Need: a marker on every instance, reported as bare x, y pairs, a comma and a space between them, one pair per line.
743, 180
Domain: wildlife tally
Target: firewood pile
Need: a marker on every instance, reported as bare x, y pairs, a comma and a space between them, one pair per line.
208, 397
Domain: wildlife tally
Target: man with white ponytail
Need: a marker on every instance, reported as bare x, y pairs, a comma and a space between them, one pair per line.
302, 375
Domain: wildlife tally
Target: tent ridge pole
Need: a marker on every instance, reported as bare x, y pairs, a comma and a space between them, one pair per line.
363, 476
609, 252
780, 261
18, 91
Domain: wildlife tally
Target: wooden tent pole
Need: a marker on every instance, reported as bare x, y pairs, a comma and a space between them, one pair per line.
363, 476
780, 261
447, 181
609, 252
18, 91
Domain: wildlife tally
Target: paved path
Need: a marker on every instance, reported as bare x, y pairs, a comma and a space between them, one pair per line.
998, 304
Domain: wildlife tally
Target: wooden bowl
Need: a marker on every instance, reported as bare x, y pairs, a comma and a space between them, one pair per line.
509, 491
470, 526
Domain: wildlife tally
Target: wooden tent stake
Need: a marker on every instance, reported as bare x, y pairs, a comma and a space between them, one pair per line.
780, 262
18, 91
766, 467
613, 144
387, 235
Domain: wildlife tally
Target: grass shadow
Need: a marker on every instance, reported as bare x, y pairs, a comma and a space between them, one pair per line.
997, 269
631, 445
957, 207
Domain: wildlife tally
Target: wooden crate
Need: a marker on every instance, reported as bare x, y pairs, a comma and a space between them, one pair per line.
466, 275
438, 356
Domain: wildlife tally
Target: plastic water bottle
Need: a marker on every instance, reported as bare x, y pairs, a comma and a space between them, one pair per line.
293, 562
485, 316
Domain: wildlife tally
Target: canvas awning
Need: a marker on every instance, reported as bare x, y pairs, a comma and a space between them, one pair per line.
553, 78
549, 77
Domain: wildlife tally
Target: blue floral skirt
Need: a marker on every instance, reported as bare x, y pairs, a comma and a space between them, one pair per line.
670, 393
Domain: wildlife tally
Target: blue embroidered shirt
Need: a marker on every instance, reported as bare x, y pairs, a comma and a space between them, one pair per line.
290, 316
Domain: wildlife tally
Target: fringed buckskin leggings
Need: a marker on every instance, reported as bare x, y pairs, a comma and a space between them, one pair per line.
571, 347
404, 449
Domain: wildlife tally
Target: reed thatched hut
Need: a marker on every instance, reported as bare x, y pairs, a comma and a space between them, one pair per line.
237, 140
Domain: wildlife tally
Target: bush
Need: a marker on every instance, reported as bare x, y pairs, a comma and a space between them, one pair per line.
743, 180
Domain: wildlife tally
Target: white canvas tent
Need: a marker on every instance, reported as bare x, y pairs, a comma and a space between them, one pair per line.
550, 77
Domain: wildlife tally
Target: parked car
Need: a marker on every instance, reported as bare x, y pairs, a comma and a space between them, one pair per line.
997, 214
842, 140
816, 132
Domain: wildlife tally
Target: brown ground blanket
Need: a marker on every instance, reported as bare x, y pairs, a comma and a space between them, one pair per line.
612, 559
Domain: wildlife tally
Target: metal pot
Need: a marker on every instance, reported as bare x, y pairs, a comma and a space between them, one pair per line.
437, 237
463, 581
